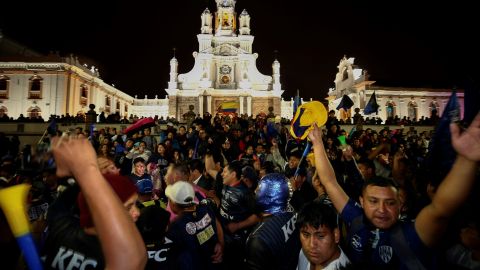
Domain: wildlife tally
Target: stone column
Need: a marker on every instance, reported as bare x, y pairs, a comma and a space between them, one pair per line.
200, 105
172, 107
249, 105
241, 105
209, 104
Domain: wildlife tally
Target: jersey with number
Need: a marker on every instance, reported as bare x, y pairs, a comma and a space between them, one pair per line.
194, 236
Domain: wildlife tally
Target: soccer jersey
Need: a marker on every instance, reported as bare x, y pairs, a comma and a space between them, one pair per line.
372, 246
194, 236
274, 243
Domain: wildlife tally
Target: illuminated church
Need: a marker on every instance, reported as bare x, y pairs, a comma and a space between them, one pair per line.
411, 103
224, 72
225, 69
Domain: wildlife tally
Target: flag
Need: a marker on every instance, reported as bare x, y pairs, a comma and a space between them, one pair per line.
441, 154
307, 149
296, 102
352, 131
346, 103
229, 106
372, 105
194, 156
272, 131
52, 127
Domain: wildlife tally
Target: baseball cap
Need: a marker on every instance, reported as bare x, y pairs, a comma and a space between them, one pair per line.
144, 186
181, 193
306, 115
121, 185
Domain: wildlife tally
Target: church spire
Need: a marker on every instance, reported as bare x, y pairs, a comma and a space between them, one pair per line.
277, 86
225, 18
172, 84
244, 23
206, 22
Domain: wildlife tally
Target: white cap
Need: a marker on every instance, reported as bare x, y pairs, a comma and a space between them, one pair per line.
181, 193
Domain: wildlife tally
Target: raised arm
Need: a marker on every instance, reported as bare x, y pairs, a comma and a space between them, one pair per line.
116, 231
325, 171
432, 221
210, 166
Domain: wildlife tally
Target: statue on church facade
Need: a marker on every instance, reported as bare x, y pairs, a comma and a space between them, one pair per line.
190, 115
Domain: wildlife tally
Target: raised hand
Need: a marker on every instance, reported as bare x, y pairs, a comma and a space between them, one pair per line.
73, 154
348, 153
315, 135
467, 143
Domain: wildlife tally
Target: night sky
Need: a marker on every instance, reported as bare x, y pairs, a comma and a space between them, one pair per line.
400, 43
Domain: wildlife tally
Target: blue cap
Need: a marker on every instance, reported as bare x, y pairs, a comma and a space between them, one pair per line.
144, 186
273, 193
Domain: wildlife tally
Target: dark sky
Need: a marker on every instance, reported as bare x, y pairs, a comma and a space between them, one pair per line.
400, 43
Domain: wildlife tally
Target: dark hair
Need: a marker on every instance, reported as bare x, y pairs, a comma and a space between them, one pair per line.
152, 223
217, 157
379, 181
236, 166
181, 168
316, 214
268, 167
196, 164
138, 159
368, 162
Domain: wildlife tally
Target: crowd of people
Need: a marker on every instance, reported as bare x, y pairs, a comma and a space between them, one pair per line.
239, 193
116, 118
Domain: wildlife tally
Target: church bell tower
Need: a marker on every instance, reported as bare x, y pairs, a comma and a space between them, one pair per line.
225, 18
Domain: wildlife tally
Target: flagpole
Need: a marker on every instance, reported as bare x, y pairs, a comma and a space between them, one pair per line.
305, 153
43, 136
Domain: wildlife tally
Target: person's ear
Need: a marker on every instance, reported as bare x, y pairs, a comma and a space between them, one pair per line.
360, 198
336, 234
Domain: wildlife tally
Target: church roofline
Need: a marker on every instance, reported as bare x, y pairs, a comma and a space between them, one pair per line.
400, 88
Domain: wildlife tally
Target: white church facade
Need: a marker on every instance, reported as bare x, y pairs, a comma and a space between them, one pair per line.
412, 103
225, 69
60, 87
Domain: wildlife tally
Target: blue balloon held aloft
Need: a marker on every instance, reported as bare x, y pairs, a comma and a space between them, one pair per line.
273, 193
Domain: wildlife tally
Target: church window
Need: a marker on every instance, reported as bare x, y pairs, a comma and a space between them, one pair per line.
117, 107
225, 79
83, 95
34, 112
3, 111
390, 107
434, 108
345, 74
412, 110
107, 104
126, 108
35, 87
4, 83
